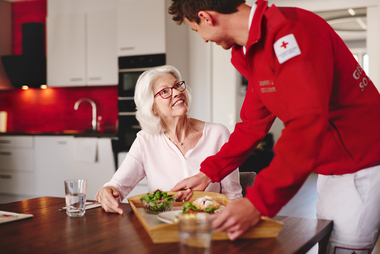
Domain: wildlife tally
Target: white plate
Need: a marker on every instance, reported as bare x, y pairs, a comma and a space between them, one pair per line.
168, 217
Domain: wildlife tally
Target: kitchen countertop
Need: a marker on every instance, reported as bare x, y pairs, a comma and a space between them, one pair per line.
63, 133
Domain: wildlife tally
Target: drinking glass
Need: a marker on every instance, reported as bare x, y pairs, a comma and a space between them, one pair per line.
75, 197
195, 233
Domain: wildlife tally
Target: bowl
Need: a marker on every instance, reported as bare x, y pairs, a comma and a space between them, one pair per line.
157, 206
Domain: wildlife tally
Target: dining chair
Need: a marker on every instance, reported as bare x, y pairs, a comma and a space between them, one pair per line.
246, 179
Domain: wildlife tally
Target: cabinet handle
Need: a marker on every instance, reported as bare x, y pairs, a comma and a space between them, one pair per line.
95, 78
62, 142
127, 48
5, 141
5, 176
5, 153
76, 79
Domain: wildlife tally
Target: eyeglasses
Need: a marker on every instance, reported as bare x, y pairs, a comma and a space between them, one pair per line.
167, 92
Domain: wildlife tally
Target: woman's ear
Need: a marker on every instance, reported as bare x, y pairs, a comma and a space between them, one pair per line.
154, 111
206, 17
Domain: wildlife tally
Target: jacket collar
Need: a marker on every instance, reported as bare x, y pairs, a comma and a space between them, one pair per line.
238, 58
255, 31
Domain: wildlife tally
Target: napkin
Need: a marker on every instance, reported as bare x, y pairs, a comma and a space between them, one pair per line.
9, 216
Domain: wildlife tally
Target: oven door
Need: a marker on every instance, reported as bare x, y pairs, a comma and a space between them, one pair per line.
128, 128
127, 82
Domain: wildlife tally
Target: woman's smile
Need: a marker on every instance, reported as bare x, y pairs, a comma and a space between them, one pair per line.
179, 102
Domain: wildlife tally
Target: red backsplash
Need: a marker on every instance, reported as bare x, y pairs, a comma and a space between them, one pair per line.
24, 12
52, 110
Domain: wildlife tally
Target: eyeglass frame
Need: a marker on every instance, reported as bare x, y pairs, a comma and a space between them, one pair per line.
171, 89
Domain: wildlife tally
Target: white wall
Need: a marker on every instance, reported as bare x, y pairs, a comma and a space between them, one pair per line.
373, 42
224, 82
200, 77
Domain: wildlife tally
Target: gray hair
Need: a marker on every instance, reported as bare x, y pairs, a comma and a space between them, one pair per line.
144, 97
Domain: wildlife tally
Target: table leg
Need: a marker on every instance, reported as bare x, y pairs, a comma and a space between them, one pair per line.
323, 244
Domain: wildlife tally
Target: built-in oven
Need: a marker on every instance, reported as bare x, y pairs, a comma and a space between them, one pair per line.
130, 69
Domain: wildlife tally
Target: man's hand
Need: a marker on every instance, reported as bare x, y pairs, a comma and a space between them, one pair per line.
107, 199
236, 218
199, 182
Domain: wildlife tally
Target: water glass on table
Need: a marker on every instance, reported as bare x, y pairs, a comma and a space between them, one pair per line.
75, 197
195, 233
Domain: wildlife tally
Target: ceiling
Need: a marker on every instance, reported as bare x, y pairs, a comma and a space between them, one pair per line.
350, 26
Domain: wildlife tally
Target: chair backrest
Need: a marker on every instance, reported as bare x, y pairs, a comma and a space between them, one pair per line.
246, 179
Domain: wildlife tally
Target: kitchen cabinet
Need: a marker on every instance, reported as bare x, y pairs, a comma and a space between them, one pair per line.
66, 50
145, 27
58, 158
17, 165
141, 27
52, 164
97, 172
81, 43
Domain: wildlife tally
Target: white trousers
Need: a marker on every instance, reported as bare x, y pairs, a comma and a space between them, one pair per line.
352, 201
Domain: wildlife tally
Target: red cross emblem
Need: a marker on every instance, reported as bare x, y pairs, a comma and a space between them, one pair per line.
284, 44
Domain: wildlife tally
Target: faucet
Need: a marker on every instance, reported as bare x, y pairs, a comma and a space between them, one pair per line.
93, 123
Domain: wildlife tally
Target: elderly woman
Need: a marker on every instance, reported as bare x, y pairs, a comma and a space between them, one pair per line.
170, 146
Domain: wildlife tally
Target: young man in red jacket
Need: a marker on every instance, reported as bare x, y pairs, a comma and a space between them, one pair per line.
300, 71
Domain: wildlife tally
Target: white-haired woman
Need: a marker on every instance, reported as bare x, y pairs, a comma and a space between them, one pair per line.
171, 145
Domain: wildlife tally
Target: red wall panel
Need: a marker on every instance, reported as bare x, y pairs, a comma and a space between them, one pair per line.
52, 110
24, 12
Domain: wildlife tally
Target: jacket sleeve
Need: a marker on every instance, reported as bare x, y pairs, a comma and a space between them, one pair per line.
256, 121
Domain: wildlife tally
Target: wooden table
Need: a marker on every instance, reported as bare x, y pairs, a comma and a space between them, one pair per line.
100, 232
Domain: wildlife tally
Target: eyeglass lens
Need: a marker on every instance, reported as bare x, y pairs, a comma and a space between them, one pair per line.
167, 92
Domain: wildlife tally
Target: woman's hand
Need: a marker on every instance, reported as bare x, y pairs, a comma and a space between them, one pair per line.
199, 182
236, 218
183, 196
107, 199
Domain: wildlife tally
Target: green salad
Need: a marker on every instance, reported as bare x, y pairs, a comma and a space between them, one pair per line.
157, 201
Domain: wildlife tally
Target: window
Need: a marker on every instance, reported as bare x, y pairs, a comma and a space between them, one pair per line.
362, 57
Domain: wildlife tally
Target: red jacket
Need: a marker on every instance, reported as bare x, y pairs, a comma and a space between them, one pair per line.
329, 107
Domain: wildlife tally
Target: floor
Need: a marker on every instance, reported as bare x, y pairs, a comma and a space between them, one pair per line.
302, 205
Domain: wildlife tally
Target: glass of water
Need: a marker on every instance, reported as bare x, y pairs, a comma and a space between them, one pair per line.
75, 197
195, 233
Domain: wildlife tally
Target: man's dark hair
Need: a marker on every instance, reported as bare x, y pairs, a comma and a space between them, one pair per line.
181, 9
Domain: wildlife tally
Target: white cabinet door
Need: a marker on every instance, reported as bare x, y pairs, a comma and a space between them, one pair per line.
52, 164
81, 43
60, 157
102, 67
96, 172
141, 27
66, 50
17, 165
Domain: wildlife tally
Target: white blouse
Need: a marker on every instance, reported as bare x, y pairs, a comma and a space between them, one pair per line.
163, 164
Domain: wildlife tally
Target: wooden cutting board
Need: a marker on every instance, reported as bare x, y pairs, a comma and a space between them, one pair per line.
161, 232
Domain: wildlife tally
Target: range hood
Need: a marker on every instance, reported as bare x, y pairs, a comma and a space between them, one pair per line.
30, 67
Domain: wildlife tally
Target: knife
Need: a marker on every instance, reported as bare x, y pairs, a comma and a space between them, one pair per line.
89, 205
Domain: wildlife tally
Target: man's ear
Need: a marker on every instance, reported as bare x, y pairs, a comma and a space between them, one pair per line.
206, 17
